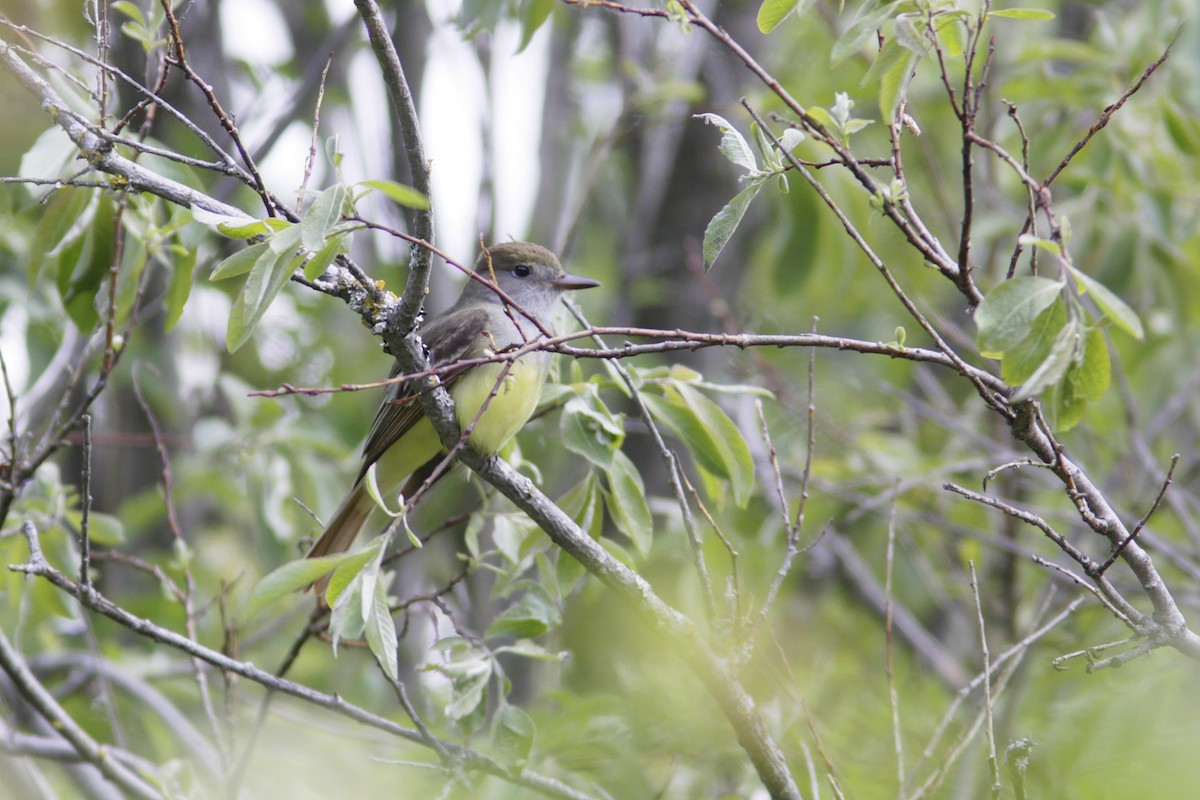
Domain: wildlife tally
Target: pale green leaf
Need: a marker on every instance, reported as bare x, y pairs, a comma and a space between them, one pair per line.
381, 632
1006, 315
1113, 306
239, 263
1022, 13
733, 145
726, 221
737, 463
315, 267
323, 214
773, 12
291, 577
401, 193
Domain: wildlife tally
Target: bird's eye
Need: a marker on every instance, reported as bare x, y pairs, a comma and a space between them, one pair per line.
522, 270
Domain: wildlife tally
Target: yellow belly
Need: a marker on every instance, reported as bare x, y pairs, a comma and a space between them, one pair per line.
507, 412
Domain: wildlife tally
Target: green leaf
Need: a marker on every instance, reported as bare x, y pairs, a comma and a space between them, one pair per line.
773, 12
180, 287
315, 267
582, 504
737, 465
105, 529
627, 502
292, 577
323, 214
1063, 352
1006, 315
1091, 375
590, 429
534, 14
893, 85
531, 616
130, 10
1020, 362
1113, 307
1022, 13
512, 736
239, 263
269, 274
60, 216
952, 33
381, 632
733, 145
726, 221
84, 266
869, 19
405, 195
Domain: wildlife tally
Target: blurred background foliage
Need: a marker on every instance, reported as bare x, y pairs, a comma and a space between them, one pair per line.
585, 140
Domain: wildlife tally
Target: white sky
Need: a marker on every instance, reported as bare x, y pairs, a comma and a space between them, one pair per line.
456, 107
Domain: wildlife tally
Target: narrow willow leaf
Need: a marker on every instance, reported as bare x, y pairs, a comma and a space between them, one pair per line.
1113, 306
239, 263
1022, 13
269, 274
1007, 313
323, 214
315, 267
401, 193
291, 577
723, 225
773, 12
381, 632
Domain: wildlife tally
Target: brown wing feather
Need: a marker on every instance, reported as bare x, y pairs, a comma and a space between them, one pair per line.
449, 338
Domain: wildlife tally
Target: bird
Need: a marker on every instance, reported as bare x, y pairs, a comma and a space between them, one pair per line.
402, 443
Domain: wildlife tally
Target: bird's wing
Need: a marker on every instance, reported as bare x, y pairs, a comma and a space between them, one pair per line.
448, 338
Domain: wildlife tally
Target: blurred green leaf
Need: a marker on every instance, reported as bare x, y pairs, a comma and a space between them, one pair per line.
627, 501
292, 577
529, 617
239, 263
513, 731
61, 215
1022, 13
773, 12
268, 275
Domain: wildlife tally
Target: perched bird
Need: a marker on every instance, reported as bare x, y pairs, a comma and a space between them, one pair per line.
402, 443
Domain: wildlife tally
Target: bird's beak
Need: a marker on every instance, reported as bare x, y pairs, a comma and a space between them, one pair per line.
569, 281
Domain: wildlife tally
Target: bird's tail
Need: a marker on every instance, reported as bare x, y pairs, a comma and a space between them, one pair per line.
342, 529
